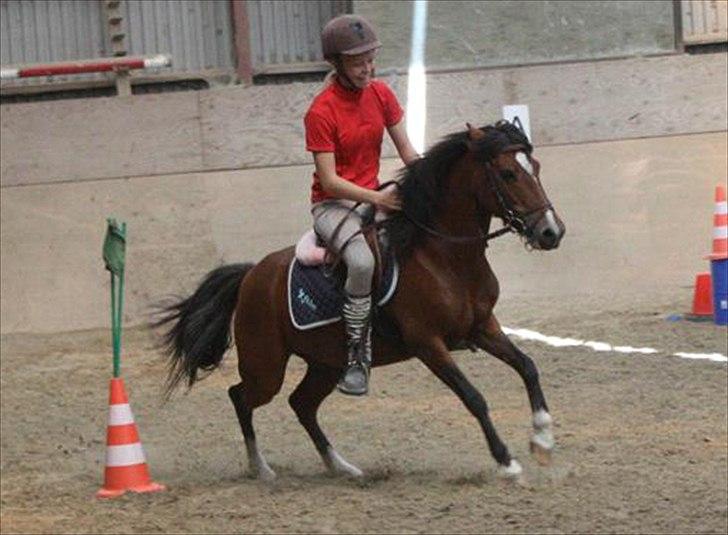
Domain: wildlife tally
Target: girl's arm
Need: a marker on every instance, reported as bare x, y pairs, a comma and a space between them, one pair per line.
406, 151
341, 188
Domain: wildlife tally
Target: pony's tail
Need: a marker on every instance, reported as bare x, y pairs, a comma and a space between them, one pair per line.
200, 325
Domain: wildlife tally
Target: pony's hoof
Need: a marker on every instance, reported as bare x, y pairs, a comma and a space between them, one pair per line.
267, 475
511, 472
541, 451
337, 465
347, 471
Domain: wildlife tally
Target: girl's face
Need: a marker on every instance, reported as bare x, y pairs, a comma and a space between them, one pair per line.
360, 68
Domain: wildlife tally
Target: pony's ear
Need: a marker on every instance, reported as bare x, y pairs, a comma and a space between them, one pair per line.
474, 133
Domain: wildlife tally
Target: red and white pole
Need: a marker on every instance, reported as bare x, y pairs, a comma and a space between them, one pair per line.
83, 66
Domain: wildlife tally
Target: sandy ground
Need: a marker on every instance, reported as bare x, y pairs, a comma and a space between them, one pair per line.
642, 440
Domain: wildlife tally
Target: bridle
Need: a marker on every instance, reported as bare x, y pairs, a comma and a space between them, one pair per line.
513, 221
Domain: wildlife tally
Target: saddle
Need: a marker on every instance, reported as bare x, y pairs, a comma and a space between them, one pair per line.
316, 281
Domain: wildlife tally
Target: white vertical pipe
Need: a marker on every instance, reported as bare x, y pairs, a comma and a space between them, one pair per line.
416, 83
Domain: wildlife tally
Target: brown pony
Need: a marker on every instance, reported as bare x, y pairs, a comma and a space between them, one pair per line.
445, 296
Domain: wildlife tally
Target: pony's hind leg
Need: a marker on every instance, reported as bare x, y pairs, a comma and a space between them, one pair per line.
305, 400
493, 340
257, 463
261, 369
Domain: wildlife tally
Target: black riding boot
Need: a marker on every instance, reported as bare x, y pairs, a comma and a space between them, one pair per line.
355, 380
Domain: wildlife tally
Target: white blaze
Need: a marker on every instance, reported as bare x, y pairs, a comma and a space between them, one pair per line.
524, 162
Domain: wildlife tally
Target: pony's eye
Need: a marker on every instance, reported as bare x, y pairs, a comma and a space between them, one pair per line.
508, 175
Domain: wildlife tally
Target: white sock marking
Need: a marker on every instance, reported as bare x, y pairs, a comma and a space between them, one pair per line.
542, 436
257, 462
336, 463
513, 470
541, 419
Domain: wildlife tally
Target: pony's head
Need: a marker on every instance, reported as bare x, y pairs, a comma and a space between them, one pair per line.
507, 184
486, 171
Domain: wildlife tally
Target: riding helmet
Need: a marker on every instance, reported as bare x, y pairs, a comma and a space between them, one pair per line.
348, 35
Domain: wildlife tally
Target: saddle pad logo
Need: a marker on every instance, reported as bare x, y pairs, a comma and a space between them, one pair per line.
306, 299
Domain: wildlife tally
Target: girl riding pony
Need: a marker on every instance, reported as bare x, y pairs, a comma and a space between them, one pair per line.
344, 131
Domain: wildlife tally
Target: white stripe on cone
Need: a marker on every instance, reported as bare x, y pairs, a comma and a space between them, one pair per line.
721, 207
126, 455
120, 414
720, 233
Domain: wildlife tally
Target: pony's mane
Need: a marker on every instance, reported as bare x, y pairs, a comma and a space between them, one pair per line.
423, 184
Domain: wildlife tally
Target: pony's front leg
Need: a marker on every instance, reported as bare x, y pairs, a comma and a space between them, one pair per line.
438, 360
492, 339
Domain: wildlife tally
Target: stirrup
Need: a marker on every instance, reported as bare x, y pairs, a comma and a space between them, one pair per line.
355, 380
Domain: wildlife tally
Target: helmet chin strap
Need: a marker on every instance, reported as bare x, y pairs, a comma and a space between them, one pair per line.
339, 65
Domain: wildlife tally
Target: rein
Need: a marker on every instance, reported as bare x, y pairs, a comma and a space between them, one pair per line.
447, 237
451, 237
512, 221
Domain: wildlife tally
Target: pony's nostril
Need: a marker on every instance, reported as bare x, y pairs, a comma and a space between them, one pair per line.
549, 238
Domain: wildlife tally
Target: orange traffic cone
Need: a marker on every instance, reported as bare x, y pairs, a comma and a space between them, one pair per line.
720, 226
126, 467
703, 296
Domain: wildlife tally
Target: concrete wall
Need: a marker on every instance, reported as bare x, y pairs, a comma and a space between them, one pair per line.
638, 216
496, 33
262, 126
638, 212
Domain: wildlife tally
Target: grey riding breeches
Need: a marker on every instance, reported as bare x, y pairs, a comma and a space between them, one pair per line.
357, 256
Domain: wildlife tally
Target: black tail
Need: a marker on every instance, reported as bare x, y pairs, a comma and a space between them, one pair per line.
200, 331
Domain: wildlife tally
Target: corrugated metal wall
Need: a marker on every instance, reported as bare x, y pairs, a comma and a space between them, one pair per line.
704, 21
51, 30
197, 33
285, 34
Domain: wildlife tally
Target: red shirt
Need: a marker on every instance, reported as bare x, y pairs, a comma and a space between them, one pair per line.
351, 125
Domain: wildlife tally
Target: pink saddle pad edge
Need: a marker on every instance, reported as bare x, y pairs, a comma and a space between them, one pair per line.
307, 250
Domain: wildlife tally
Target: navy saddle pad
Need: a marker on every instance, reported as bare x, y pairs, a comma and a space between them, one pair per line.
315, 298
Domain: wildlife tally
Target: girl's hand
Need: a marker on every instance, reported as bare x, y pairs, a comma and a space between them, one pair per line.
388, 200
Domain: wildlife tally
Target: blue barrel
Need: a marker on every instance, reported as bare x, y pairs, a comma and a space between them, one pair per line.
719, 270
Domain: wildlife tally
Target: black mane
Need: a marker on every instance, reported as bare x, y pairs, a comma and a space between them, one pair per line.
423, 184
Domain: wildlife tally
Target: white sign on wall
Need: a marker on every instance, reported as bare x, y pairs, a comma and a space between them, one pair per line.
520, 111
